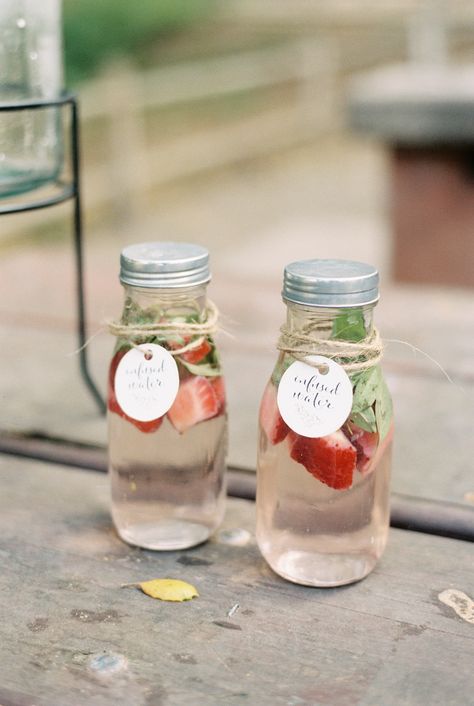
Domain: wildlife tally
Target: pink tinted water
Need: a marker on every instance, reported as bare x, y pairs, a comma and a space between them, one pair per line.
168, 489
316, 535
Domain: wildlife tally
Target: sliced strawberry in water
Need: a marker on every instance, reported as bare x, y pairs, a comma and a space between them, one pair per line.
365, 442
196, 355
219, 388
195, 402
331, 459
366, 447
113, 405
271, 420
147, 427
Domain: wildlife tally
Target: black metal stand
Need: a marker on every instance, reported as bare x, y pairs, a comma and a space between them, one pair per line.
65, 192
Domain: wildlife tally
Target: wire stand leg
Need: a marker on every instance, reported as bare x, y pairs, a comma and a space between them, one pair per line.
80, 294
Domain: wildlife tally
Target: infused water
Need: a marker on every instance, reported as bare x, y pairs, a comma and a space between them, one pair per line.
168, 489
167, 419
326, 430
315, 534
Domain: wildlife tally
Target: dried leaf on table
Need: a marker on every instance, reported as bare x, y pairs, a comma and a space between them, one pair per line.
169, 589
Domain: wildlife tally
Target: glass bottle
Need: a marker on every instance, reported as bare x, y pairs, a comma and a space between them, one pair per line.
31, 151
167, 473
323, 500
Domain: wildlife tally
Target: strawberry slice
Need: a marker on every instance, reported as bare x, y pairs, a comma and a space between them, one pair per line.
113, 405
271, 420
331, 459
146, 427
196, 401
365, 443
196, 355
219, 388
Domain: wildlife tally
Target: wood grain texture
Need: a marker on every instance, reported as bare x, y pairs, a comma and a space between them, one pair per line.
71, 635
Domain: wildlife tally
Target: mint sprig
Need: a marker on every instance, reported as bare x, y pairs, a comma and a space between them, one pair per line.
365, 419
209, 366
372, 408
205, 369
372, 405
283, 363
383, 409
349, 326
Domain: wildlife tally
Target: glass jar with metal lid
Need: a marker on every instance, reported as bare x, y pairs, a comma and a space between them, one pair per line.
167, 419
326, 428
31, 145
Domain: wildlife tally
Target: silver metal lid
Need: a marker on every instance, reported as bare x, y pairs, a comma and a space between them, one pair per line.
164, 264
337, 283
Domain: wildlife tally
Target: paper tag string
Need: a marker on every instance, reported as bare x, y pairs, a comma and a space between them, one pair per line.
352, 356
161, 328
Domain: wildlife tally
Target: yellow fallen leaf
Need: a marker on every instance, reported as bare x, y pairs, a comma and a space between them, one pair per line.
169, 589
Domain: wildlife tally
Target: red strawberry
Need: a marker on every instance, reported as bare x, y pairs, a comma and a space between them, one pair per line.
331, 459
196, 401
271, 420
196, 355
366, 447
366, 444
147, 427
219, 388
113, 405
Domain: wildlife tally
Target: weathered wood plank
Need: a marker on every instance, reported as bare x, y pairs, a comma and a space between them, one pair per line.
71, 634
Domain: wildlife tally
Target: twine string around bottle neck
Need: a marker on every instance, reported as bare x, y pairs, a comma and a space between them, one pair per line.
352, 356
198, 330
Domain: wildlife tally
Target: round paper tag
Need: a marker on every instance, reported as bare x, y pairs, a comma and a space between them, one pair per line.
146, 386
312, 403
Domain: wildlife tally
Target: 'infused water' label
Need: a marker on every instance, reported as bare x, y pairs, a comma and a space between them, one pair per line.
315, 401
146, 382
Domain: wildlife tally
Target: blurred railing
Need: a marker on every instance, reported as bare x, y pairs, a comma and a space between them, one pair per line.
309, 72
132, 159
139, 162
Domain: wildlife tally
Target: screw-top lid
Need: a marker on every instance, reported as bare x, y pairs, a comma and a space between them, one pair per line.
337, 283
164, 264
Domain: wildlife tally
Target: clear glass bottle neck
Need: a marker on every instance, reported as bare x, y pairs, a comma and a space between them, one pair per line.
347, 323
163, 303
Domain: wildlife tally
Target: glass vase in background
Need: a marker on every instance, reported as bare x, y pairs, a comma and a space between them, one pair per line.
31, 149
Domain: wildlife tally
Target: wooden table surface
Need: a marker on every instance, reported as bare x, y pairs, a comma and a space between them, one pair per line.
72, 635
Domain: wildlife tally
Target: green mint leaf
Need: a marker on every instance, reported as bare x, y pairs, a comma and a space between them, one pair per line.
192, 318
213, 357
383, 409
365, 419
177, 341
282, 365
366, 389
181, 318
121, 345
372, 404
208, 371
349, 326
